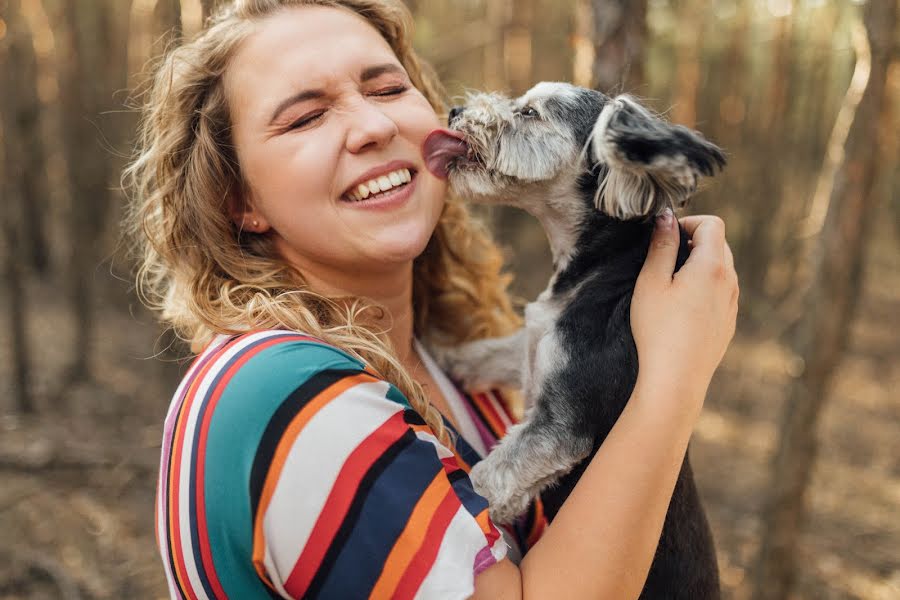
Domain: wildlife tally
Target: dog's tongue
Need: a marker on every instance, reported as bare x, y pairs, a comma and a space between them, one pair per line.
440, 147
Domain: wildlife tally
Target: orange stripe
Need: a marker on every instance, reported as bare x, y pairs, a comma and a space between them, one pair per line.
426, 429
501, 410
539, 523
410, 540
491, 533
175, 458
282, 451
505, 405
423, 560
490, 416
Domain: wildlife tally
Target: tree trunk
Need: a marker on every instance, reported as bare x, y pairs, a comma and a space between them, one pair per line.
620, 32
822, 335
756, 245
167, 17
208, 7
13, 160
33, 191
92, 66
517, 46
497, 18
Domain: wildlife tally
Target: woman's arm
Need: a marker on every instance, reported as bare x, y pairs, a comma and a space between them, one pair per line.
603, 539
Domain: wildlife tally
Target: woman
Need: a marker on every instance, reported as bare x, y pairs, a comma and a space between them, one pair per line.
313, 449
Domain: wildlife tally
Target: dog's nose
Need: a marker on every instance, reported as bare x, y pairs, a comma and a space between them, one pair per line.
454, 112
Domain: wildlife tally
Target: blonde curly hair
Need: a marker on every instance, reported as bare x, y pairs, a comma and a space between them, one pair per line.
205, 276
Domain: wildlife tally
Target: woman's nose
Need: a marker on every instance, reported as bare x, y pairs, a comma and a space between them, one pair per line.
370, 126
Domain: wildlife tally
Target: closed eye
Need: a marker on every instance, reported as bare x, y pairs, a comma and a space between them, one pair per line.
312, 118
391, 92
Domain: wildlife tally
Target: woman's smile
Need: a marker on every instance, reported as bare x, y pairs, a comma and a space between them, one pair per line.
394, 197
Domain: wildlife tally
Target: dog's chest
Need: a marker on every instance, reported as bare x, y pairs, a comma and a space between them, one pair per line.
544, 352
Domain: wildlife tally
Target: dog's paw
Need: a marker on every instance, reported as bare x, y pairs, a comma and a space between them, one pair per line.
506, 500
459, 365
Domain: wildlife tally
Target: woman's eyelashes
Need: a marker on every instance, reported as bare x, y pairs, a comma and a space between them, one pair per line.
306, 120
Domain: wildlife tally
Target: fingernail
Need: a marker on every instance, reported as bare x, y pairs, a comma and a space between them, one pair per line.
665, 218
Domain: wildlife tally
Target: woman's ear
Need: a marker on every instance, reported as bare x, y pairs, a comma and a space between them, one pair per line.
244, 214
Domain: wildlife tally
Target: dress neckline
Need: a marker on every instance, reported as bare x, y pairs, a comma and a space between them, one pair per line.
468, 429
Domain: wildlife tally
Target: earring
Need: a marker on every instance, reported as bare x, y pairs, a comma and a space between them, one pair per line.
255, 223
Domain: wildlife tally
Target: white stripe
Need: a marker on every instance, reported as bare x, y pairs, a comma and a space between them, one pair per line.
467, 428
498, 407
190, 425
162, 499
312, 466
442, 450
453, 573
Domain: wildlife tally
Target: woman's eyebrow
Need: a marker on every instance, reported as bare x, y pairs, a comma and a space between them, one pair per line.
367, 74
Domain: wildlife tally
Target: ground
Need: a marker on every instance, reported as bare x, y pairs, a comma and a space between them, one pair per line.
76, 501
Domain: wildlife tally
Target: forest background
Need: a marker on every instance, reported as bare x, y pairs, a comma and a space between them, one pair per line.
797, 452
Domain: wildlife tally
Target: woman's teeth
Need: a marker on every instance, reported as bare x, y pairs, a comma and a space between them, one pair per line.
380, 184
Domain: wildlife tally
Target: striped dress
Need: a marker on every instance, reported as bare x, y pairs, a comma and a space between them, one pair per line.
289, 469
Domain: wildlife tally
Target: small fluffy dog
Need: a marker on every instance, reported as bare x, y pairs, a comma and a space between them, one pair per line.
594, 170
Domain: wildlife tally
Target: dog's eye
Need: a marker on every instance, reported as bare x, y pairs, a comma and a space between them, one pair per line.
527, 111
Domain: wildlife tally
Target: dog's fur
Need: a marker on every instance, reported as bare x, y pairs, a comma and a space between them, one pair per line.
594, 171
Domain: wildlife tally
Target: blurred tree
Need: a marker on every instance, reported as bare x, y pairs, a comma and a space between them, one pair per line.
32, 158
208, 6
830, 304
93, 65
167, 17
756, 246
497, 18
17, 133
620, 33
687, 75
517, 46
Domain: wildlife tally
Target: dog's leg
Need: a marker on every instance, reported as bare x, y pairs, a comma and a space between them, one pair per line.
485, 363
531, 456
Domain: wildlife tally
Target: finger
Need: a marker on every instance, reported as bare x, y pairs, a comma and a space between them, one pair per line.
708, 234
729, 257
663, 251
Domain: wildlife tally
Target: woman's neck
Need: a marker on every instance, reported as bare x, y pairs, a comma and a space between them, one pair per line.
392, 290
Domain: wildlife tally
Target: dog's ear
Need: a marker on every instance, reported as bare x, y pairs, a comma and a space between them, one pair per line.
647, 164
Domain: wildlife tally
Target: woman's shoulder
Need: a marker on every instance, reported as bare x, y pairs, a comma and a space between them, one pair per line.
276, 345
249, 377
269, 361
278, 414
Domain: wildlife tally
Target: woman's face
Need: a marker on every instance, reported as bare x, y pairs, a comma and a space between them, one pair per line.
300, 155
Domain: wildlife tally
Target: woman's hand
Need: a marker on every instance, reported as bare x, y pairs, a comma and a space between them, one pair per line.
682, 324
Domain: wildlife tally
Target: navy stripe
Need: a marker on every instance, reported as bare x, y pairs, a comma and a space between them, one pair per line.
279, 422
478, 410
473, 502
382, 518
168, 515
353, 577
192, 499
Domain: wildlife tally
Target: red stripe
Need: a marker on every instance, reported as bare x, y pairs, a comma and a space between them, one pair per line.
203, 432
423, 560
451, 463
491, 417
538, 524
501, 400
339, 500
181, 575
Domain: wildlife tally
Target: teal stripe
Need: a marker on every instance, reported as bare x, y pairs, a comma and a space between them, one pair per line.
236, 427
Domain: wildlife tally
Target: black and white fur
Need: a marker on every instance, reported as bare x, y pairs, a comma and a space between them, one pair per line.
594, 171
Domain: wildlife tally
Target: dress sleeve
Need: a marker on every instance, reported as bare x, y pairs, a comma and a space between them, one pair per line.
352, 496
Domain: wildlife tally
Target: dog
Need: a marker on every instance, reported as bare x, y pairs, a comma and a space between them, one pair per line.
594, 170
